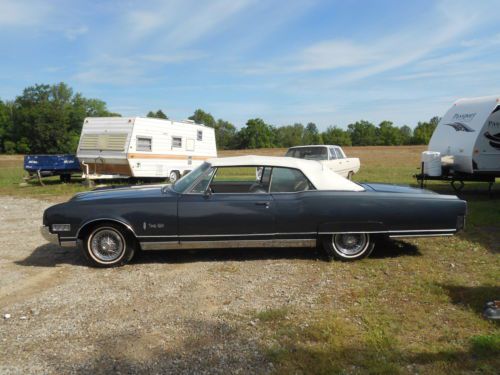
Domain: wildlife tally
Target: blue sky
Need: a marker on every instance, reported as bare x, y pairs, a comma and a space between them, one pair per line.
330, 62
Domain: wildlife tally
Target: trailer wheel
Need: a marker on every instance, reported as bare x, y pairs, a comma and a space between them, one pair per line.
65, 178
174, 176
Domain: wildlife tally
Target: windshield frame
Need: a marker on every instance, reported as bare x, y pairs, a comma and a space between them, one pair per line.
191, 178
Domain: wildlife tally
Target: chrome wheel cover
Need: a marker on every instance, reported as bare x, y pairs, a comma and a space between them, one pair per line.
106, 245
350, 244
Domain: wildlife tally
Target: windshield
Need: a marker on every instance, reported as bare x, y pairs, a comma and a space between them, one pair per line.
181, 185
310, 153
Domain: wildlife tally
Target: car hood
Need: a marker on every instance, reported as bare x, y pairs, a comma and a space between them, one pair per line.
387, 188
146, 191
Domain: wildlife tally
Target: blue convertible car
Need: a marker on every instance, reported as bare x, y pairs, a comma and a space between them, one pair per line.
249, 201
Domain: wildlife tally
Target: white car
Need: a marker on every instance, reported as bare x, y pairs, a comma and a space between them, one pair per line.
332, 156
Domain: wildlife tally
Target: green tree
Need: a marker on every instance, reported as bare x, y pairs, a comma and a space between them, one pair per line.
158, 114
289, 135
5, 125
336, 136
388, 134
406, 134
201, 117
311, 135
256, 134
423, 131
225, 134
48, 119
362, 133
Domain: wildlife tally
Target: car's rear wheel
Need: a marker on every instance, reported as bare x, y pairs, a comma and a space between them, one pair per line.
109, 245
350, 175
348, 246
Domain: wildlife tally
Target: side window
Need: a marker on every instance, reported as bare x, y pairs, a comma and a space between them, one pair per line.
332, 153
236, 174
287, 180
144, 144
339, 153
176, 142
199, 135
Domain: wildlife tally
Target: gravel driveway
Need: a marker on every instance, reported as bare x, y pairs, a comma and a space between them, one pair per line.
177, 312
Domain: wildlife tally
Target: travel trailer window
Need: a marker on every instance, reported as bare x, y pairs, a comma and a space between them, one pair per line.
176, 142
199, 135
144, 144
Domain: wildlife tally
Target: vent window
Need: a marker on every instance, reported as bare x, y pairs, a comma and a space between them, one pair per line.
144, 144
104, 142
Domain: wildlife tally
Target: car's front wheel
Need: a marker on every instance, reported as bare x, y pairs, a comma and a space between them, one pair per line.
109, 245
348, 246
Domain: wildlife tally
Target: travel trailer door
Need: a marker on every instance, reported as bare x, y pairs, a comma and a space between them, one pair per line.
487, 148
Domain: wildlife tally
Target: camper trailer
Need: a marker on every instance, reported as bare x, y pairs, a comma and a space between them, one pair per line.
466, 143
123, 147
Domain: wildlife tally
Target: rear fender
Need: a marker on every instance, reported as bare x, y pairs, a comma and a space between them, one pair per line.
354, 226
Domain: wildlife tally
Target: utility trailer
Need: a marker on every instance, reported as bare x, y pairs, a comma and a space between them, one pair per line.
39, 166
144, 148
467, 141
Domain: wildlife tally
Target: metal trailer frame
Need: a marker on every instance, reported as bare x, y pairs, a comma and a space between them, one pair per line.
457, 179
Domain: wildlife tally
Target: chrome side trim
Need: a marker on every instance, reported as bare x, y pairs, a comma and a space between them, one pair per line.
105, 219
227, 244
399, 231
48, 236
420, 235
229, 235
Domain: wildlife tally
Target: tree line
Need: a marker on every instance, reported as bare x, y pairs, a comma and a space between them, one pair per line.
49, 118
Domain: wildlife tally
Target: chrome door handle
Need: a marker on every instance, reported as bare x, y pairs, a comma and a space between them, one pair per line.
266, 204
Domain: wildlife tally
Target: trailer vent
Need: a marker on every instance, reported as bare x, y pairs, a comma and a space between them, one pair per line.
104, 142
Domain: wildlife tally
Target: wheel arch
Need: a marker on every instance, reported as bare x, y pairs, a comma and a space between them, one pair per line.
88, 225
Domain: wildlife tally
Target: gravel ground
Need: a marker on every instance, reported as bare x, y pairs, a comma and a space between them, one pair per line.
166, 312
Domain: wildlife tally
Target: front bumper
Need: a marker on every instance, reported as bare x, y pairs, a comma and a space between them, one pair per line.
49, 237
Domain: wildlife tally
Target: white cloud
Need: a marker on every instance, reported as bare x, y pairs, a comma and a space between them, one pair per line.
358, 60
23, 13
176, 57
179, 23
74, 33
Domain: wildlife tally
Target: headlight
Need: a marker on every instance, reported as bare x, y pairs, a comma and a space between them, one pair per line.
61, 227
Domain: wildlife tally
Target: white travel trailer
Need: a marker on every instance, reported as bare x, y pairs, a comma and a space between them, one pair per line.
124, 147
468, 137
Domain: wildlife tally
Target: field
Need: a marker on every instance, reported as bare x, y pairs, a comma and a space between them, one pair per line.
413, 307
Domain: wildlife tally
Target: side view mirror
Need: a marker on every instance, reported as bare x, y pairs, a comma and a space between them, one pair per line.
208, 193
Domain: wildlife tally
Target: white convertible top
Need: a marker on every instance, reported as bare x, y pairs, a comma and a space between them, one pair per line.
321, 177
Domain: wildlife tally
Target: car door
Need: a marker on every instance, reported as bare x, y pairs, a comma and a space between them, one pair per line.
292, 197
343, 162
231, 206
334, 163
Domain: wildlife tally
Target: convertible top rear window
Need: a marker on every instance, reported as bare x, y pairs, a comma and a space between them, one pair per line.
309, 153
